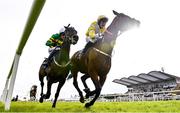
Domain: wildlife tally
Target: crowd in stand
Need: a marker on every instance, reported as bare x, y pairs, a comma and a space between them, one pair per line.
153, 87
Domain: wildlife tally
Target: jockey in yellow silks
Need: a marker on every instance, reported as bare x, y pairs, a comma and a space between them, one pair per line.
95, 31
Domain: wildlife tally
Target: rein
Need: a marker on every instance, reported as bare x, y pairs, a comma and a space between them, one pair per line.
59, 65
108, 32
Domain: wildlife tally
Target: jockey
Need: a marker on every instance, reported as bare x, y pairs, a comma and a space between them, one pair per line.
95, 31
55, 42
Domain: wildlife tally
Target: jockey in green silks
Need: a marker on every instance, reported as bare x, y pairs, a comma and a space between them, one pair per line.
55, 42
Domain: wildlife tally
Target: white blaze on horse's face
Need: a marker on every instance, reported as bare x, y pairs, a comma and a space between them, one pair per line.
74, 39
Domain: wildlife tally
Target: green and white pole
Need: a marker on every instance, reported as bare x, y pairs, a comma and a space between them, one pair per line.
4, 94
33, 16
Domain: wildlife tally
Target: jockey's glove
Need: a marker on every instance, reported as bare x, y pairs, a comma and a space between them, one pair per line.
96, 36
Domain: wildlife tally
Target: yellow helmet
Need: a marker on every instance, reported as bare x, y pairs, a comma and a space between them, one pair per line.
102, 18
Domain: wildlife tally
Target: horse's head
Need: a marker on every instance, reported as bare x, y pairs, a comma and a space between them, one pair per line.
70, 35
122, 23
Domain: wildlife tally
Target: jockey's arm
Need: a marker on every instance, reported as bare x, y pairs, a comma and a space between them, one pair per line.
50, 42
92, 34
91, 31
59, 42
54, 40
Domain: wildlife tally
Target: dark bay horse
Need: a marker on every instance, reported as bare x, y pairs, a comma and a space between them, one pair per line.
59, 67
96, 62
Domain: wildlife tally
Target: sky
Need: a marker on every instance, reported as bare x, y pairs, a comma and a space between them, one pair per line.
153, 46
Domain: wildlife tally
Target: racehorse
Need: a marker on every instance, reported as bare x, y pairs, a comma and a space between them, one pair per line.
96, 62
59, 67
33, 92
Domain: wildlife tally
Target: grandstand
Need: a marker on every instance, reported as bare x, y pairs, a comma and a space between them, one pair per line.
155, 85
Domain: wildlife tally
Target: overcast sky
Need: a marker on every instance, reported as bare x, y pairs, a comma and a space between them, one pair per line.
154, 45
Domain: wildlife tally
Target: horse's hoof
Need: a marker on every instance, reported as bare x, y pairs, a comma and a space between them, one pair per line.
81, 100
41, 100
87, 105
41, 94
53, 106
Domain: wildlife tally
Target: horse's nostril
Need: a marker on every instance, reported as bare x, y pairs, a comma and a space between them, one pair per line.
75, 37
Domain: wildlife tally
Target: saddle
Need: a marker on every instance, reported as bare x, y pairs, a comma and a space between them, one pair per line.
46, 62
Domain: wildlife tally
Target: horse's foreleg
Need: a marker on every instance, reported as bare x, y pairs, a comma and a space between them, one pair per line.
48, 93
86, 90
75, 83
98, 84
42, 87
41, 79
61, 83
102, 80
97, 89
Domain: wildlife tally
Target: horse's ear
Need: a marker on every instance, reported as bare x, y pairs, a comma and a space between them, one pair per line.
68, 25
65, 27
115, 12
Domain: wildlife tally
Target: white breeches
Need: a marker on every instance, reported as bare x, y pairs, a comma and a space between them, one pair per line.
52, 48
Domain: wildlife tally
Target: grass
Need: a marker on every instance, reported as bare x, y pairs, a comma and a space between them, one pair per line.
145, 106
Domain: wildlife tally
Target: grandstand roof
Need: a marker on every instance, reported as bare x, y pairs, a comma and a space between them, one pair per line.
143, 78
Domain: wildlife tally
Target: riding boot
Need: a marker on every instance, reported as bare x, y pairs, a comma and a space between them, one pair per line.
88, 45
49, 59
